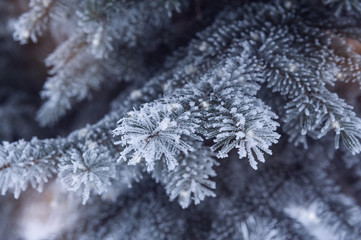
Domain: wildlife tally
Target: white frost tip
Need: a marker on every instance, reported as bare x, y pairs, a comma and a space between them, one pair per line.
203, 46
25, 34
336, 125
205, 104
96, 40
250, 133
166, 123
240, 135
83, 132
46, 3
259, 67
241, 79
184, 198
131, 114
136, 94
184, 194
253, 164
339, 75
292, 67
288, 4
175, 106
97, 37
165, 86
92, 145
137, 159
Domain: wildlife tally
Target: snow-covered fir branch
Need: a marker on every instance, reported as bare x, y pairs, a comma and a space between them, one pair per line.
208, 92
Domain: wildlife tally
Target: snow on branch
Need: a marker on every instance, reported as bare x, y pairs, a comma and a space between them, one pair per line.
32, 24
90, 171
245, 124
27, 163
154, 132
191, 180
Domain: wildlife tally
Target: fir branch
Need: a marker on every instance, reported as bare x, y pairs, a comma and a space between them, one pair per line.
32, 24
24, 163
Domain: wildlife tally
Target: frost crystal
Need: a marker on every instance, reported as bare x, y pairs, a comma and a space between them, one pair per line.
190, 180
152, 135
90, 171
207, 91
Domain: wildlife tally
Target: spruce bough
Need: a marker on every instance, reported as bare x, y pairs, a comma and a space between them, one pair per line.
241, 123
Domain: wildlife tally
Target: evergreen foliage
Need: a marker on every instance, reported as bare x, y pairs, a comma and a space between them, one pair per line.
243, 111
